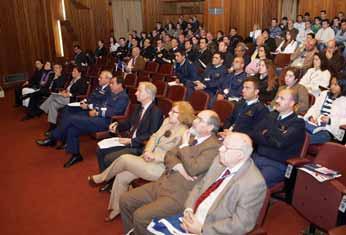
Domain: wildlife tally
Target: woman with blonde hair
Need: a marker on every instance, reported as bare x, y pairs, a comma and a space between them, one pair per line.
150, 165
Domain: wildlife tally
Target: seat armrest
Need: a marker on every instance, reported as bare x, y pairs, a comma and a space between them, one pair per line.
260, 231
102, 135
343, 127
298, 161
338, 186
341, 230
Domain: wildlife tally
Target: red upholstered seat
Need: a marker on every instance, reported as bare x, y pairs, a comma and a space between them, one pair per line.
199, 100
176, 93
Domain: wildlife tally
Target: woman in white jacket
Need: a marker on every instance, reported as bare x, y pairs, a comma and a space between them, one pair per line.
289, 45
317, 76
324, 118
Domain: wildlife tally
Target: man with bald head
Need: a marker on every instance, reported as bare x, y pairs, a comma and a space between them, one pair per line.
303, 56
278, 137
229, 197
185, 166
335, 62
136, 63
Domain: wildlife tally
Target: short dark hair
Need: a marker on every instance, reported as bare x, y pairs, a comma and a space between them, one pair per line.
76, 46
180, 51
324, 11
222, 56
122, 38
325, 20
120, 80
311, 34
78, 68
274, 18
306, 14
266, 30
295, 71
254, 81
284, 18
206, 40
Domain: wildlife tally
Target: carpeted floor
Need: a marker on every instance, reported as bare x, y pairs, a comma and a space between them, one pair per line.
38, 195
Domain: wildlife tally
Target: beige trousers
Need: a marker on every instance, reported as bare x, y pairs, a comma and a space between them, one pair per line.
126, 168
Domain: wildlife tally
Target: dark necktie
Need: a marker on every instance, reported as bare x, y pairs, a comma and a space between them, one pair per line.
211, 189
138, 121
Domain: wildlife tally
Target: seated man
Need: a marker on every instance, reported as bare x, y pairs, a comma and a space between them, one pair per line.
212, 76
56, 101
332, 57
231, 85
185, 166
143, 122
97, 119
228, 199
204, 55
248, 111
278, 137
136, 63
303, 56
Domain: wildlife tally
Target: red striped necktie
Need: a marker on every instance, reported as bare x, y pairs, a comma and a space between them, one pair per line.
211, 189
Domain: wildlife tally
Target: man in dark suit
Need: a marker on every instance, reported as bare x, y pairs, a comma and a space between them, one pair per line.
148, 52
212, 76
191, 54
204, 56
160, 52
185, 166
248, 111
278, 137
97, 119
144, 121
80, 59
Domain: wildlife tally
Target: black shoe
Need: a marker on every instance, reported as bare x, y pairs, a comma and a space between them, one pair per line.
107, 187
46, 142
61, 146
73, 160
27, 117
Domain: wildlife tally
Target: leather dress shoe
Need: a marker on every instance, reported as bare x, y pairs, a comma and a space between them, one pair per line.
60, 146
46, 142
107, 187
73, 160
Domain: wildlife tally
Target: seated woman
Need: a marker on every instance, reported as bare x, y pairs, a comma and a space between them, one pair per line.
289, 45
268, 81
252, 68
324, 118
291, 81
149, 165
77, 86
316, 77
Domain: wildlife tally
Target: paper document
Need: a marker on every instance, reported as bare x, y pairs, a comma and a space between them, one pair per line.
110, 142
74, 104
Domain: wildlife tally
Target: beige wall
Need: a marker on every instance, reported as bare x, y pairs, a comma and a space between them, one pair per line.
127, 15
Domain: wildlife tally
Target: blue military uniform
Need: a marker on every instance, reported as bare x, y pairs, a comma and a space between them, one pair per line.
80, 124
245, 116
277, 139
212, 77
187, 74
232, 85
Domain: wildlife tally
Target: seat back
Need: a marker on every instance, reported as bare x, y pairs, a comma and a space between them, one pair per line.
282, 60
165, 105
176, 93
166, 69
151, 66
223, 108
199, 100
125, 115
157, 77
161, 87
319, 202
131, 93
130, 80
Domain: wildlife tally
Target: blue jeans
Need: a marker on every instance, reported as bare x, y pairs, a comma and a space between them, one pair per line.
273, 172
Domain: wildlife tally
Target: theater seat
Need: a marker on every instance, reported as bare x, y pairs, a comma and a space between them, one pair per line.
199, 100
223, 108
176, 93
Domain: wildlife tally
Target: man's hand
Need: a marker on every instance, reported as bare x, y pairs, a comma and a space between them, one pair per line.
25, 83
93, 113
84, 105
180, 168
224, 133
220, 97
148, 157
113, 127
313, 120
191, 224
125, 141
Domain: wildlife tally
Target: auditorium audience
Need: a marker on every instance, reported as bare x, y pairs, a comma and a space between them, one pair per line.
136, 62
100, 51
334, 60
149, 165
324, 118
204, 55
317, 77
288, 45
113, 46
185, 166
55, 82
263, 54
302, 35
303, 56
268, 83
80, 59
324, 34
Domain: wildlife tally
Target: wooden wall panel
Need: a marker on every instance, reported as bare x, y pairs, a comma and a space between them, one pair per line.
151, 13
314, 6
27, 30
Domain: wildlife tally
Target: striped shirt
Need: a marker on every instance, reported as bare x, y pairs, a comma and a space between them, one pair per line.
327, 105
